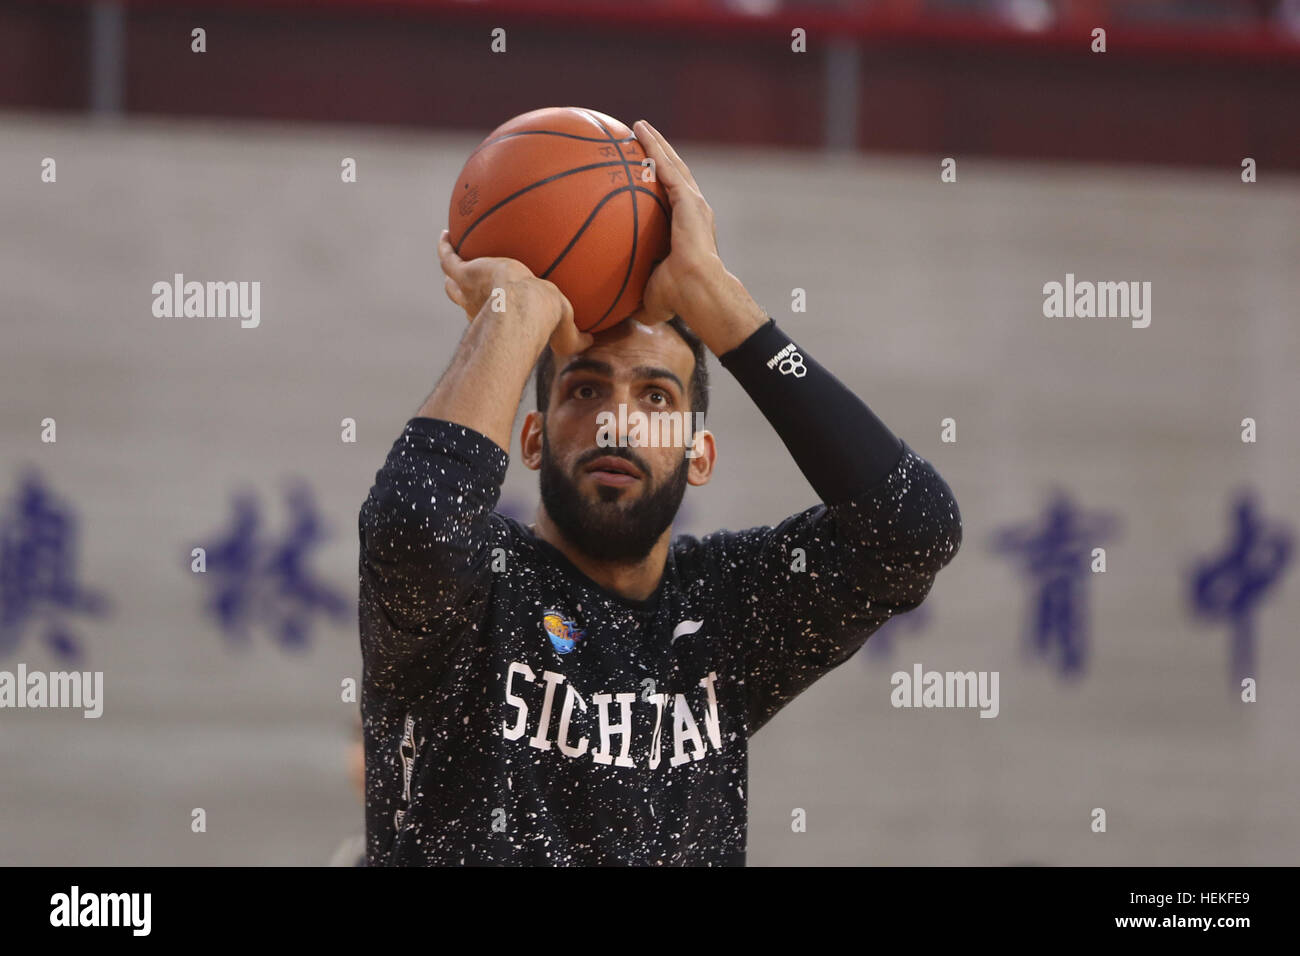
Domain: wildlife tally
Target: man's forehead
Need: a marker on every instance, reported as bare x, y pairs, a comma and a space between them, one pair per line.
630, 345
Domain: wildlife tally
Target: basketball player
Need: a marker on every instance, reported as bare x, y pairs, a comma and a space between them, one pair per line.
581, 690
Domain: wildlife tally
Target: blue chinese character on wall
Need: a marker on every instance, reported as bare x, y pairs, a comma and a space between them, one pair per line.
259, 582
1228, 587
38, 570
1055, 555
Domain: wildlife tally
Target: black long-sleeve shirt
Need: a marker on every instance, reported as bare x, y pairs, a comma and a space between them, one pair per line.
516, 712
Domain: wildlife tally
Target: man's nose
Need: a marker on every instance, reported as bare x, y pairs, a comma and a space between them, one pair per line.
630, 434
638, 426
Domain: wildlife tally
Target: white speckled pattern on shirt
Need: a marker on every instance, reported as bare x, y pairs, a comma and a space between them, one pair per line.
632, 747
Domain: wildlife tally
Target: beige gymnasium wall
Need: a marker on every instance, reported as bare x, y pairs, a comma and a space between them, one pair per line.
925, 297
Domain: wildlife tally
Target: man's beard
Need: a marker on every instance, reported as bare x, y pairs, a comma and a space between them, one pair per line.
608, 529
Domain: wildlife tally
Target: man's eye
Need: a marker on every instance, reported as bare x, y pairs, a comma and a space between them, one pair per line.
584, 391
659, 397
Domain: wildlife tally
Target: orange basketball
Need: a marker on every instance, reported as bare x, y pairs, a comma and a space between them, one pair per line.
563, 190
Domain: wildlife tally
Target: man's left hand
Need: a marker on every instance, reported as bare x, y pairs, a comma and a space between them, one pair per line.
692, 281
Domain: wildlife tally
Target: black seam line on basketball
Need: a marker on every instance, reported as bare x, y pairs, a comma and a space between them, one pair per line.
637, 188
640, 189
515, 195
631, 259
546, 132
666, 209
583, 228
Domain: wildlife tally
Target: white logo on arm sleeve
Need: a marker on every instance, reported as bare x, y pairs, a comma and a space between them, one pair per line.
789, 361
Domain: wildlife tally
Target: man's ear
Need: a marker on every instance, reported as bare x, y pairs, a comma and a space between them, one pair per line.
530, 441
703, 455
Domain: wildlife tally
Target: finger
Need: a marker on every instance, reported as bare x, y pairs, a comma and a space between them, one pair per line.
681, 194
686, 203
567, 340
690, 211
646, 135
663, 141
452, 264
665, 170
667, 148
690, 222
670, 176
653, 309
570, 339
566, 308
455, 293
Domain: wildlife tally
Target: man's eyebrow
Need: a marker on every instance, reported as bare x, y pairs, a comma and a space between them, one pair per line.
582, 364
654, 371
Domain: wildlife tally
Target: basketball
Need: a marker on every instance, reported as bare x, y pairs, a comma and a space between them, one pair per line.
564, 191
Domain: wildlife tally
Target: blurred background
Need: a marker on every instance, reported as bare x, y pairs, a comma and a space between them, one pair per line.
1173, 157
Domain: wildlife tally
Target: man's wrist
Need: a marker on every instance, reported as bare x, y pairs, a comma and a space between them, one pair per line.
527, 313
722, 312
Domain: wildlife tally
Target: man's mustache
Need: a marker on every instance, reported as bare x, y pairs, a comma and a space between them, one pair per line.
588, 457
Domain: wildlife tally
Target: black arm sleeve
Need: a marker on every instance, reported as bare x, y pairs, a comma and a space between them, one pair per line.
807, 593
839, 444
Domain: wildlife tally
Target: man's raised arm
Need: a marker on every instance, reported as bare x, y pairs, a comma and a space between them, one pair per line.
807, 593
512, 316
426, 524
810, 591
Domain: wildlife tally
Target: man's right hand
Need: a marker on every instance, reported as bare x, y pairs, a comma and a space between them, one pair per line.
507, 332
471, 285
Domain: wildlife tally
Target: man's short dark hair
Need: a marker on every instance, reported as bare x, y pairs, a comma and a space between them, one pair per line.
544, 374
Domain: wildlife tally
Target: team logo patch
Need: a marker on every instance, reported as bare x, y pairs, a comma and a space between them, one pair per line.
563, 632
